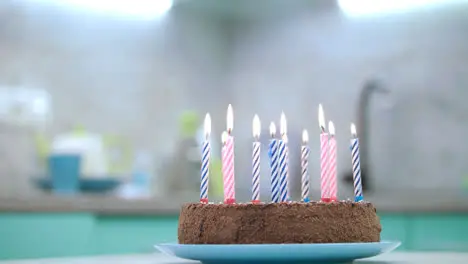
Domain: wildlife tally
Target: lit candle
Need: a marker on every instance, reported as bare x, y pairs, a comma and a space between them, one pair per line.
284, 137
305, 150
332, 171
324, 159
227, 157
282, 161
256, 161
273, 155
356, 165
205, 166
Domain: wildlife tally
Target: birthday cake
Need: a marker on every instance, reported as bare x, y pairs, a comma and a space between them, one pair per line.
279, 223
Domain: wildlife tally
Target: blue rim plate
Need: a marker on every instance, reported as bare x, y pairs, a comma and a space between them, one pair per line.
278, 253
86, 185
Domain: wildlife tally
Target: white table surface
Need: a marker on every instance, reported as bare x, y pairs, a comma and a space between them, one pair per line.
157, 258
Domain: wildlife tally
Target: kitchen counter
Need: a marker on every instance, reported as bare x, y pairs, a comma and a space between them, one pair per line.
157, 258
95, 204
402, 202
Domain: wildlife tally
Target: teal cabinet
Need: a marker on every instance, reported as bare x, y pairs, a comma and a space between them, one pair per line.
394, 228
438, 232
34, 235
131, 234
44, 235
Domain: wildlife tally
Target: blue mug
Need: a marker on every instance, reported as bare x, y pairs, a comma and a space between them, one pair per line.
64, 170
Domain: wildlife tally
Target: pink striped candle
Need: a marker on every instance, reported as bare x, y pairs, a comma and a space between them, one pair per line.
227, 158
305, 151
332, 169
324, 159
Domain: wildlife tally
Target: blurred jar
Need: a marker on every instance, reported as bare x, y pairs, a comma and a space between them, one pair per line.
89, 147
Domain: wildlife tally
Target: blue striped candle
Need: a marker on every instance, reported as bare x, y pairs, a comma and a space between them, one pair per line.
283, 180
256, 161
273, 155
205, 165
356, 166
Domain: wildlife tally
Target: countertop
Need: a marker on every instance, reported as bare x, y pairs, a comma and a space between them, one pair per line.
157, 258
396, 202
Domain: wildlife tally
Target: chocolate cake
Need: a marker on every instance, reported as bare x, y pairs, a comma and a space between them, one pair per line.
277, 223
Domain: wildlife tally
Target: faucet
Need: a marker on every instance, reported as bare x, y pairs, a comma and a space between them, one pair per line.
370, 87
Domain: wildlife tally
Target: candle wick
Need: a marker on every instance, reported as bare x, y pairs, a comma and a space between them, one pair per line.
284, 137
323, 129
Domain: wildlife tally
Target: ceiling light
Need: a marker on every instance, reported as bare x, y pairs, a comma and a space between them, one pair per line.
135, 8
373, 7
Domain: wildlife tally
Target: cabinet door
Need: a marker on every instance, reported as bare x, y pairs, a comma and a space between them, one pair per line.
394, 228
439, 232
132, 234
43, 235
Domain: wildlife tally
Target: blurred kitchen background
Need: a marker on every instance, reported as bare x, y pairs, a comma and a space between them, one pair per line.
126, 85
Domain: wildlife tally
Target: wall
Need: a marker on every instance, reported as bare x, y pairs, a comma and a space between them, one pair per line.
135, 78
295, 64
123, 76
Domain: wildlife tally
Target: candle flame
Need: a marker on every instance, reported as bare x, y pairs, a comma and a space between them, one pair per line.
224, 137
256, 127
331, 128
283, 125
272, 129
321, 118
207, 125
353, 130
229, 119
305, 136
